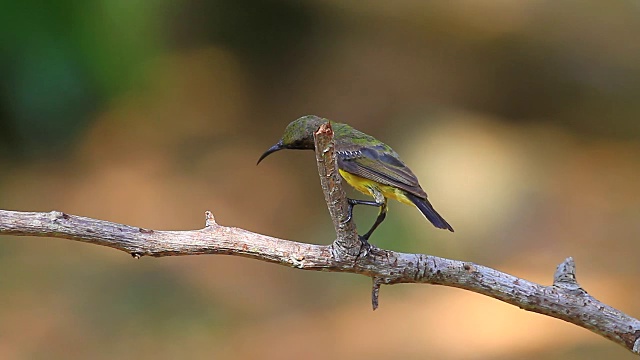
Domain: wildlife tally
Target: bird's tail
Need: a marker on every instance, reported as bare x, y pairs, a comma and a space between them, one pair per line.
429, 212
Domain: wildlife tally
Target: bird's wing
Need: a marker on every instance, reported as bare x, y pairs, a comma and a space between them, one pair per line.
380, 164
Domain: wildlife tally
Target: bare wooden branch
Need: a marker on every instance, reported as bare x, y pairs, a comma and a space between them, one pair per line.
347, 241
564, 299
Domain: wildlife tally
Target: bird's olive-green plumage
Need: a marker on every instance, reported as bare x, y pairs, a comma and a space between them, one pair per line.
300, 133
366, 163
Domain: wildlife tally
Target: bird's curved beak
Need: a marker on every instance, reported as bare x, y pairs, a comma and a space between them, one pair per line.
271, 150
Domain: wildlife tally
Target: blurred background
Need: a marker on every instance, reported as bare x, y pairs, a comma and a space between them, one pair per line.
521, 118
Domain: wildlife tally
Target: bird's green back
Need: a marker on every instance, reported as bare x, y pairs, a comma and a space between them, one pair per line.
358, 153
363, 155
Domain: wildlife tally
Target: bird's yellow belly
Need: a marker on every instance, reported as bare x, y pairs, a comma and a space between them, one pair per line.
369, 187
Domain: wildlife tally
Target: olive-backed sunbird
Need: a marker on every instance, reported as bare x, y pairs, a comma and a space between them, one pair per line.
367, 164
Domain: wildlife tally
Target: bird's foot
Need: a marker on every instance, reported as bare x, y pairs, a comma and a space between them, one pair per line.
364, 242
366, 247
352, 203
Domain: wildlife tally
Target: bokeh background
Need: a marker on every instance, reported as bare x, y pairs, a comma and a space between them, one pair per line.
521, 118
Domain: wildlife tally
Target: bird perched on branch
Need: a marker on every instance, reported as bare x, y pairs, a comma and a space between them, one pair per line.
367, 164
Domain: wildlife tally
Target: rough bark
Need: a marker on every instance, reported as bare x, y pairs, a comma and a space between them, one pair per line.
564, 299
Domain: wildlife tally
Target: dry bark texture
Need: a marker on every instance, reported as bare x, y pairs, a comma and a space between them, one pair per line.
565, 299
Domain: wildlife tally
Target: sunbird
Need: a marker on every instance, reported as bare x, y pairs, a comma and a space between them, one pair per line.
367, 164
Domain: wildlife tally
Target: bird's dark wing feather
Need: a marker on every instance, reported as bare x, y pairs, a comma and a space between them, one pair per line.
379, 164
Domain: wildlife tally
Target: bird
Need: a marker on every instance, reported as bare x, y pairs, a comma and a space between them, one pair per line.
368, 165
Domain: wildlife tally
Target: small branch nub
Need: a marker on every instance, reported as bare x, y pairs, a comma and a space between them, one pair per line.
565, 276
325, 129
375, 292
210, 221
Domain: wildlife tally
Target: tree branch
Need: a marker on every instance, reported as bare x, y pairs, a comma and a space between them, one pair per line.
347, 242
564, 300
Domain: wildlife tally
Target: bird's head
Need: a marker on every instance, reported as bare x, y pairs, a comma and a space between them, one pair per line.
298, 135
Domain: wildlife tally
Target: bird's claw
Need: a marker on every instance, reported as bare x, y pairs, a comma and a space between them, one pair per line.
346, 219
365, 244
352, 203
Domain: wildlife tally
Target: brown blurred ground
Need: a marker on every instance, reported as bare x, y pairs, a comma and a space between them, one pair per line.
520, 119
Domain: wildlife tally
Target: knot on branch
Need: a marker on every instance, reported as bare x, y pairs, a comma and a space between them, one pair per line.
57, 215
565, 276
210, 221
375, 291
